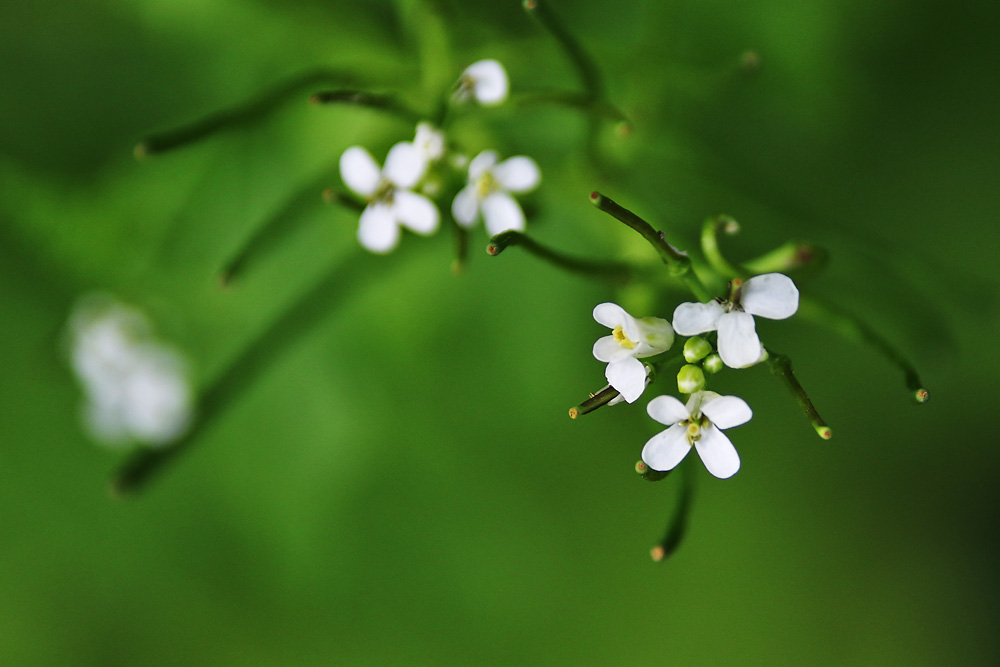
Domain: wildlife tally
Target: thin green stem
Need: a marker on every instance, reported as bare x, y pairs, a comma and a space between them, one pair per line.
798, 258
383, 102
581, 60
239, 115
677, 526
598, 400
781, 366
710, 245
854, 329
678, 263
574, 100
286, 331
614, 271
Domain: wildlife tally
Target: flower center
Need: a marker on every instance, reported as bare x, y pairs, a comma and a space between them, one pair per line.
384, 192
694, 428
622, 339
486, 184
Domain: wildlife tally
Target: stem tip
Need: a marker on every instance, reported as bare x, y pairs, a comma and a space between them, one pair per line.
921, 395
657, 553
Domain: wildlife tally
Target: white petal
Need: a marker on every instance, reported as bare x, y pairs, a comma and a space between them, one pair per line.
739, 345
772, 295
717, 453
609, 314
655, 336
378, 230
628, 376
490, 81
415, 212
697, 398
429, 141
606, 349
727, 411
405, 165
694, 318
359, 171
465, 208
501, 213
481, 164
666, 449
518, 174
667, 410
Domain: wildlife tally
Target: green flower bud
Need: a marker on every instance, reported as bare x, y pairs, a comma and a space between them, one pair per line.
690, 379
712, 363
696, 349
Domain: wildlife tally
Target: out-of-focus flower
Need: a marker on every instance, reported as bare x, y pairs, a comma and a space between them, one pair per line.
699, 424
488, 192
631, 339
772, 295
391, 202
484, 80
429, 141
136, 388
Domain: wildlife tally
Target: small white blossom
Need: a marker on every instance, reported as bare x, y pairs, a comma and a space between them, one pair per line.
488, 192
391, 202
772, 295
698, 424
136, 388
429, 142
485, 80
631, 339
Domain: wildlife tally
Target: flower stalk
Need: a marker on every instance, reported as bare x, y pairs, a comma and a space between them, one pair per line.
613, 271
677, 526
781, 366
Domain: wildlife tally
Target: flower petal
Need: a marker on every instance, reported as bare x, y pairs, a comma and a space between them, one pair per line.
717, 453
518, 174
772, 295
655, 336
727, 411
490, 81
481, 164
415, 212
667, 410
695, 318
628, 376
465, 208
666, 449
606, 349
429, 141
359, 171
739, 345
378, 231
405, 165
610, 314
501, 213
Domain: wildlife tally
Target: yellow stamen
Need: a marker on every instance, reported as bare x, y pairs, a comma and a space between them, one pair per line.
622, 339
485, 185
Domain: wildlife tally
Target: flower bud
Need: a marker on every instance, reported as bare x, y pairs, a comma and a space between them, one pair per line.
696, 349
713, 363
690, 379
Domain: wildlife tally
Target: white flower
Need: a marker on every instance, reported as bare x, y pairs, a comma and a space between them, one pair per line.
388, 191
630, 340
429, 142
771, 295
136, 388
699, 424
486, 80
488, 192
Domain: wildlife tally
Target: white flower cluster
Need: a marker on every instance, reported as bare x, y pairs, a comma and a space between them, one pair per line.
400, 193
700, 422
136, 388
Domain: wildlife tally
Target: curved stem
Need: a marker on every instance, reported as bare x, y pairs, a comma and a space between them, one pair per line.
677, 526
710, 245
616, 272
781, 366
382, 102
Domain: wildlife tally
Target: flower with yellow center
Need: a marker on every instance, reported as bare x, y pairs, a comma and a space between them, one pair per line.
488, 192
631, 339
699, 424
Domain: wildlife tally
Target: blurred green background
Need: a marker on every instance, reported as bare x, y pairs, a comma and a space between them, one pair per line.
402, 485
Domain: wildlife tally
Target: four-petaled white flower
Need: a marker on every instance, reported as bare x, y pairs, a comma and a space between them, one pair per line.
699, 424
631, 339
488, 192
388, 191
771, 295
486, 80
429, 141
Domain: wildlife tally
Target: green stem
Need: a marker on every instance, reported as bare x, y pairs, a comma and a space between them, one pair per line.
598, 400
286, 331
710, 245
237, 116
382, 102
678, 263
616, 272
799, 258
677, 526
854, 329
581, 60
781, 366
574, 100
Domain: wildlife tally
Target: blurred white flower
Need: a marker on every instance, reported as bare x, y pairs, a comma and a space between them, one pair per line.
485, 80
488, 192
699, 424
391, 202
772, 295
631, 339
136, 389
429, 141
